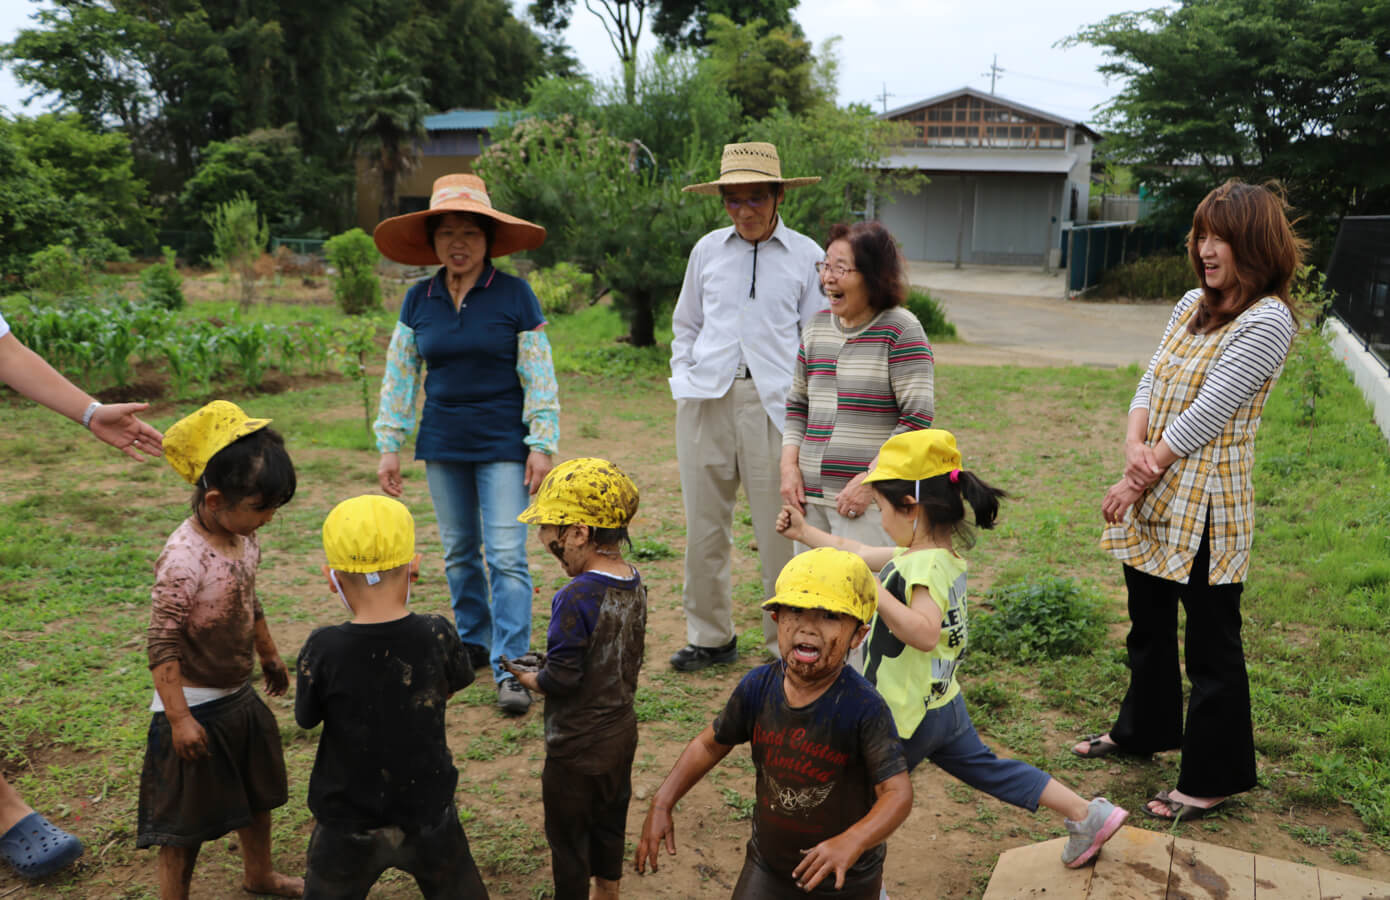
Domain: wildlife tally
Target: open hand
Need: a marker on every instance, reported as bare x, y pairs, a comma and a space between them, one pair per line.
116, 424
833, 856
658, 828
388, 474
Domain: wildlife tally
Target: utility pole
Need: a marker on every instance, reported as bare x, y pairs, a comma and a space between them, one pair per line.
883, 97
993, 73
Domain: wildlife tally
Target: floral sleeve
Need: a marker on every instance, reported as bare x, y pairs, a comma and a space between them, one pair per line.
395, 417
541, 410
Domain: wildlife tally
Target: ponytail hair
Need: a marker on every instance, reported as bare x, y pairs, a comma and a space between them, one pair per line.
944, 497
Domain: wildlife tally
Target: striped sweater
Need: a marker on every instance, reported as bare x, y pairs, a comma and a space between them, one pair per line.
852, 390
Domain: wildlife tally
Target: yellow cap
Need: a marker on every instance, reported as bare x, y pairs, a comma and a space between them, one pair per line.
370, 533
585, 491
193, 440
916, 456
831, 579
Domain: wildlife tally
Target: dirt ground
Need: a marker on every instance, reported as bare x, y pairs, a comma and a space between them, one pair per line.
946, 849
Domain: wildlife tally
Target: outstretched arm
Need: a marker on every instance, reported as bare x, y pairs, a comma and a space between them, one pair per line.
791, 524
699, 756
834, 856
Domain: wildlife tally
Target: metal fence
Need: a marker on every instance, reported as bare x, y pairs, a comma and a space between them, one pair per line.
1088, 250
1359, 277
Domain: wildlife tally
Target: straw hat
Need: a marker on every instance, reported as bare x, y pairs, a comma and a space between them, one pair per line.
755, 162
405, 240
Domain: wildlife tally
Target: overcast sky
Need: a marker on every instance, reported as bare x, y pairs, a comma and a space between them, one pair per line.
913, 49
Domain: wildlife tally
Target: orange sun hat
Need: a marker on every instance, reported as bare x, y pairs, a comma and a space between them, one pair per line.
406, 240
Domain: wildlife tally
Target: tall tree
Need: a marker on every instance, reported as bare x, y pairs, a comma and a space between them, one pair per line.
387, 120
622, 20
763, 67
687, 23
1297, 90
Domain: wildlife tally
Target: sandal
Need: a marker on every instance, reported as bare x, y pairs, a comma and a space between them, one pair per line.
1181, 812
1096, 747
35, 847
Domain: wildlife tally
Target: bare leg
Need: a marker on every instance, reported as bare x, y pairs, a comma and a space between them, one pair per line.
175, 870
603, 889
12, 806
260, 876
1060, 798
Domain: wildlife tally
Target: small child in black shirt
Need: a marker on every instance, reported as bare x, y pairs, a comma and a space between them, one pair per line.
593, 651
832, 781
382, 789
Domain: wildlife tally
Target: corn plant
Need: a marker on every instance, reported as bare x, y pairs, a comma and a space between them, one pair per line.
318, 349
356, 341
249, 345
204, 354
286, 346
117, 343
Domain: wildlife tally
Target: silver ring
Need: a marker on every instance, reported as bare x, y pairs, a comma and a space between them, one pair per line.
852, 514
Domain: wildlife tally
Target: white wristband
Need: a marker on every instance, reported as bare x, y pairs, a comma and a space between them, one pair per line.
91, 411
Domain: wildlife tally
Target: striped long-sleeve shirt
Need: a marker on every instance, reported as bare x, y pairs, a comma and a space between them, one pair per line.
852, 390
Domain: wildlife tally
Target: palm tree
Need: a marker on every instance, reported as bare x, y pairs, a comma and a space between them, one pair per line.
387, 121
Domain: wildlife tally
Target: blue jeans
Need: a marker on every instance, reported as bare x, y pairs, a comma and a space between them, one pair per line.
948, 738
476, 505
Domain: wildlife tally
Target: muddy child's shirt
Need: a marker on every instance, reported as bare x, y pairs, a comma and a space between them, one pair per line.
594, 648
817, 766
205, 609
380, 691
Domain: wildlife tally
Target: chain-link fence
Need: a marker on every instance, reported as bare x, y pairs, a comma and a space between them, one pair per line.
1359, 277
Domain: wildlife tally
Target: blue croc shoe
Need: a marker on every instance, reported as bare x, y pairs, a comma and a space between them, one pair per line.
36, 847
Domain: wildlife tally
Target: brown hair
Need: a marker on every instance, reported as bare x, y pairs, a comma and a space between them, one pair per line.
1253, 220
878, 260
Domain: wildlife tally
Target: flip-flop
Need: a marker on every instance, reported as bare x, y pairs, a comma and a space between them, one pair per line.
35, 847
1181, 812
1096, 747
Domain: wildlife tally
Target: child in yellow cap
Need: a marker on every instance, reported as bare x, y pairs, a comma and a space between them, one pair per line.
832, 783
213, 760
917, 637
594, 648
382, 789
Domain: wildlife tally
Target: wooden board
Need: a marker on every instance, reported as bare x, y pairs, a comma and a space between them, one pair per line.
1209, 872
1336, 886
1279, 879
1133, 865
1036, 872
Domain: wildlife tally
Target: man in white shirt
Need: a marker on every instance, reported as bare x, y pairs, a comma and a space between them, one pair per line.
748, 290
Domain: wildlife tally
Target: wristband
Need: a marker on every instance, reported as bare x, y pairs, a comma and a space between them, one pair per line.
91, 411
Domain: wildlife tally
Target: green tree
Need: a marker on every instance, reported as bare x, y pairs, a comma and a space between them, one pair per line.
386, 119
1291, 89
239, 236
763, 67
689, 23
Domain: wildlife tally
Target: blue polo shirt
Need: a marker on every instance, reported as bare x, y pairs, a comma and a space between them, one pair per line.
473, 396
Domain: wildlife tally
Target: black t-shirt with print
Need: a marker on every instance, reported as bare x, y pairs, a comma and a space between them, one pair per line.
817, 765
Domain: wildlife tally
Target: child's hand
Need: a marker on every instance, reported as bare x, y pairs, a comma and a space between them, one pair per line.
790, 522
657, 828
190, 740
277, 677
834, 855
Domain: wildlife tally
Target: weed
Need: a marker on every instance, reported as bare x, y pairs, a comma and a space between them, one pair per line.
742, 806
649, 549
1149, 278
1046, 618
930, 313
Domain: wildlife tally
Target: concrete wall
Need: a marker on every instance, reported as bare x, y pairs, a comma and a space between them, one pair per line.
1370, 376
1008, 219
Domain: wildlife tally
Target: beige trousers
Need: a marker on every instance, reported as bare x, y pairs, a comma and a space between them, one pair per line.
721, 443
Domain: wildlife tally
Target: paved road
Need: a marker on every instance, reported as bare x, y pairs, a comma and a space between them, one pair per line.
1017, 315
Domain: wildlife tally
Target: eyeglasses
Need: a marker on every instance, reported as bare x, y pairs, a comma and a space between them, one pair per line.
757, 201
839, 270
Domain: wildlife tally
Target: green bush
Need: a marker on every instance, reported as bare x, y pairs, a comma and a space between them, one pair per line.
562, 288
928, 311
239, 235
354, 255
1149, 278
56, 271
161, 283
1043, 619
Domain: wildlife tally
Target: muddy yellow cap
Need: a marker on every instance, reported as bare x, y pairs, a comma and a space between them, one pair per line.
370, 533
831, 579
193, 440
585, 491
916, 456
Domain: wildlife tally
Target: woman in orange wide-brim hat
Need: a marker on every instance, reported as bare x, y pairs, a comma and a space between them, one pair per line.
490, 421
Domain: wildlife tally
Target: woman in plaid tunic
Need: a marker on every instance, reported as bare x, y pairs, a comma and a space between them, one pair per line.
1189, 451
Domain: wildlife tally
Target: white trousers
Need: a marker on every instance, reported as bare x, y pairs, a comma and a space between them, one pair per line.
720, 444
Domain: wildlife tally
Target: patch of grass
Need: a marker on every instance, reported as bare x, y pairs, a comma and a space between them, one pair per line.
650, 549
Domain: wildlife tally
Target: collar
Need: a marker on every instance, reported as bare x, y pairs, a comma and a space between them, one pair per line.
439, 283
779, 233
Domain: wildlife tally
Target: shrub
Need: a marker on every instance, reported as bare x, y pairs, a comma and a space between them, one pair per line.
353, 253
562, 288
1149, 278
161, 283
239, 235
928, 311
56, 271
1047, 618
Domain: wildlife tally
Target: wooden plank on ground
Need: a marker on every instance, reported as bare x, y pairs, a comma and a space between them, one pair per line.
1133, 866
1279, 879
1208, 872
1036, 872
1337, 886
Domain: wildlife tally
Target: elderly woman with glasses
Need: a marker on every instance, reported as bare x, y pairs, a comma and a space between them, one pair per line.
863, 374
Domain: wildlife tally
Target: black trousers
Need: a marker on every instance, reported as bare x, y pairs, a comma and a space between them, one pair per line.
343, 865
1217, 740
585, 821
